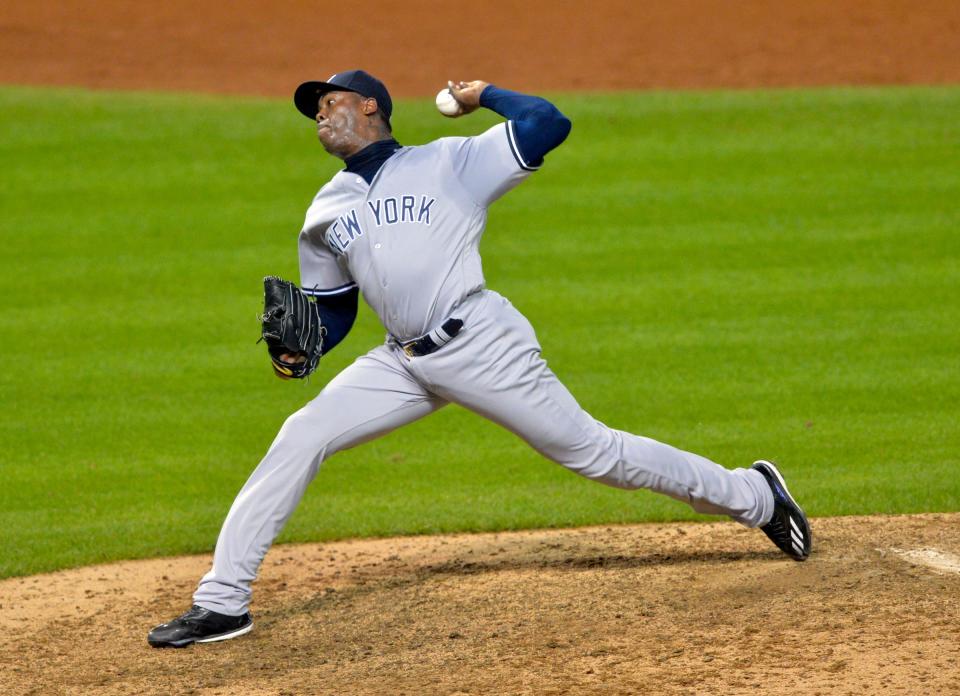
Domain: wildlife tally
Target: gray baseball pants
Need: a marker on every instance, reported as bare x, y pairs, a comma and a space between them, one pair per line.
493, 367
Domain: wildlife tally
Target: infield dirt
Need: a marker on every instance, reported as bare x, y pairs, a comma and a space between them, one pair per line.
658, 609
646, 609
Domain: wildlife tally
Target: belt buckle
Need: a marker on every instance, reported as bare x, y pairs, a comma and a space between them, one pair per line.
408, 349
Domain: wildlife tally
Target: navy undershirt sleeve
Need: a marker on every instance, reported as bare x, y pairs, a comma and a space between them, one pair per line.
538, 124
337, 312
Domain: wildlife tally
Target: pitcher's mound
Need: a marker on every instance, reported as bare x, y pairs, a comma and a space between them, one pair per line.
665, 609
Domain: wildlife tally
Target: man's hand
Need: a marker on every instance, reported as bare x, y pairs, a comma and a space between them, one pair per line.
467, 93
290, 359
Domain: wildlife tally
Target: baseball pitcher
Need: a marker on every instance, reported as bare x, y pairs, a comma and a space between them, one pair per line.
401, 225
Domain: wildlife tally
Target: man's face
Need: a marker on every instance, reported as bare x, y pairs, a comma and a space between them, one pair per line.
339, 116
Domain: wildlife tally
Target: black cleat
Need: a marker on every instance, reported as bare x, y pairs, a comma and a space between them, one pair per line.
199, 625
788, 528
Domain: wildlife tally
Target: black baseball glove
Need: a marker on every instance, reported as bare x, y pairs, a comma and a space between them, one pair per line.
291, 327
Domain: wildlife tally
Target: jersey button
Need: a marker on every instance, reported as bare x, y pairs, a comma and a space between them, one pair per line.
377, 245
359, 180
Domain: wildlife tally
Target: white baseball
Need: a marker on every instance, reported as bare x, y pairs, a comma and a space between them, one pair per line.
447, 104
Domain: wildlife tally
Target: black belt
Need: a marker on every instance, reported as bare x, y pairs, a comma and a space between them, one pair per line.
436, 339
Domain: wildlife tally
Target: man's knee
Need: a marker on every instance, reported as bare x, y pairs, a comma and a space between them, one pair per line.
599, 458
305, 433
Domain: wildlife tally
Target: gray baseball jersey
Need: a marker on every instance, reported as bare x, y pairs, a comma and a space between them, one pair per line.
410, 241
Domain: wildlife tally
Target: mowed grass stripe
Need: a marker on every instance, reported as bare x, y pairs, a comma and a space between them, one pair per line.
741, 274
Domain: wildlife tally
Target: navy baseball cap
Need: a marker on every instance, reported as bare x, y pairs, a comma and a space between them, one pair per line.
308, 94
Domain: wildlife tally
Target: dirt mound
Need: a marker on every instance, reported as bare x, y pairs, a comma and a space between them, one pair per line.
260, 47
666, 609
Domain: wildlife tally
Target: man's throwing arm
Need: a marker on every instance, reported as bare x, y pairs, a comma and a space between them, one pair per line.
538, 125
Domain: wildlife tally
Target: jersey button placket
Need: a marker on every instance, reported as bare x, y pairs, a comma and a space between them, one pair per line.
378, 267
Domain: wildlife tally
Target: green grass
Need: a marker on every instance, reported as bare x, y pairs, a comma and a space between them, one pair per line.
740, 274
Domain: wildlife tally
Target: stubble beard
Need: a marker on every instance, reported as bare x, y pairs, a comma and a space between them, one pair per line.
341, 138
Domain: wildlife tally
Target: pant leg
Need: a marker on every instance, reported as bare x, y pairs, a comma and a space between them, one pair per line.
498, 372
368, 399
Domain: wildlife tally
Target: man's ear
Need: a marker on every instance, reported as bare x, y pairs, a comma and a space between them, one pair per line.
370, 106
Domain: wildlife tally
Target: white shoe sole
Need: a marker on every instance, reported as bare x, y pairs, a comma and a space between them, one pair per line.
227, 636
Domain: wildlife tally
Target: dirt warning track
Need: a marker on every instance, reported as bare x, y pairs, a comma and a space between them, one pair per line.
658, 609
260, 47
